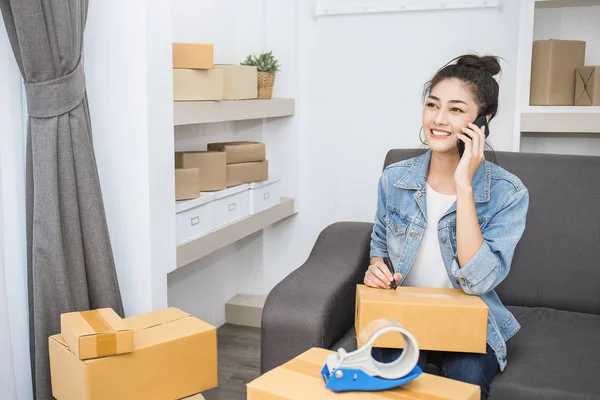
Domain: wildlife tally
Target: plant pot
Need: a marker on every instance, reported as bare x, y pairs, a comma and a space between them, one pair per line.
266, 80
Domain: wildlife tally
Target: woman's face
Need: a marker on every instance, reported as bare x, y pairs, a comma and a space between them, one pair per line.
449, 107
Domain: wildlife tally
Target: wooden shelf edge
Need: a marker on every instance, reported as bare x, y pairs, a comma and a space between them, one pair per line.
202, 112
212, 241
560, 122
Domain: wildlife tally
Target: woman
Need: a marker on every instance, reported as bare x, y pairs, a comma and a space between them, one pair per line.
450, 221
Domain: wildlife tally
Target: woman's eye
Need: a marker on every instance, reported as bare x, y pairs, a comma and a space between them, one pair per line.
456, 110
430, 105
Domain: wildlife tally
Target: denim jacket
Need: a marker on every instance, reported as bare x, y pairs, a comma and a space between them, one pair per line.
501, 202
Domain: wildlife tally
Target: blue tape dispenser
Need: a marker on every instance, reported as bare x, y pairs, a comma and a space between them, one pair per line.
358, 371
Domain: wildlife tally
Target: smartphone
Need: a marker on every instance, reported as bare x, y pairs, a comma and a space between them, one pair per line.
481, 121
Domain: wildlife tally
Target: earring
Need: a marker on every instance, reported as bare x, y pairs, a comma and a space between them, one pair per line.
422, 139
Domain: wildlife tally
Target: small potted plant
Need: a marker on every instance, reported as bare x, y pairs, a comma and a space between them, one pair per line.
267, 66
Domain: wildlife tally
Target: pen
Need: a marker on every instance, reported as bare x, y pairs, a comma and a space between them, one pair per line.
391, 268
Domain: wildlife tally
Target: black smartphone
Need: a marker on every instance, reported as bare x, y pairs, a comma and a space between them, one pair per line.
480, 121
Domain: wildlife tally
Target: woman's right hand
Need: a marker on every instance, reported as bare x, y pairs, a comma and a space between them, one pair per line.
379, 276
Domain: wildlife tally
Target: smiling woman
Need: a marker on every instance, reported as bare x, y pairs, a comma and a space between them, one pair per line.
472, 214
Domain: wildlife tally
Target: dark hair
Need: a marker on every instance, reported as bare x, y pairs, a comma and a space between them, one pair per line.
477, 72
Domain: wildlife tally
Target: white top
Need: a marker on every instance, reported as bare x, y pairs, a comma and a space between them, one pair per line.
428, 269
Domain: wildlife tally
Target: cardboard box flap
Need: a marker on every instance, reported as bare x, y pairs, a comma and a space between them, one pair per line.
415, 295
152, 319
58, 338
163, 333
301, 378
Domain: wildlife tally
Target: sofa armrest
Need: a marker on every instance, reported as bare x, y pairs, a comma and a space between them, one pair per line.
314, 305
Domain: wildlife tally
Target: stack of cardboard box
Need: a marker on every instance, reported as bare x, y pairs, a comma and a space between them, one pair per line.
223, 165
440, 320
197, 78
166, 354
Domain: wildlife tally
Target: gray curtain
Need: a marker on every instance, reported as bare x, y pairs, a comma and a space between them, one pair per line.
70, 262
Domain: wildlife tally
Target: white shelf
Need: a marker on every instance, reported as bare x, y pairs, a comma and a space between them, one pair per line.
565, 3
561, 119
214, 240
201, 112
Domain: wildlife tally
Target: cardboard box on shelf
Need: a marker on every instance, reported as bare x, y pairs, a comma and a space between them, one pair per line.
553, 67
587, 86
212, 166
187, 183
440, 319
241, 152
240, 82
238, 174
301, 379
96, 333
193, 55
197, 85
175, 356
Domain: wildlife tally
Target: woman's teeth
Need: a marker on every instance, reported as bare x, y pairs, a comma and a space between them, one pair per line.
440, 133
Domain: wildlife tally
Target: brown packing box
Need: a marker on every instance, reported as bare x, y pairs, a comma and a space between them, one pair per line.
175, 356
211, 165
240, 82
440, 319
587, 86
553, 67
241, 152
197, 85
300, 379
238, 174
193, 55
187, 183
96, 333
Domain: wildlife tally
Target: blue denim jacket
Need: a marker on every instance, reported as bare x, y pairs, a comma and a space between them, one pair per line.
501, 201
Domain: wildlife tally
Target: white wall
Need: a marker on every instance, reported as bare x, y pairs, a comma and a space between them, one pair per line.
357, 82
127, 62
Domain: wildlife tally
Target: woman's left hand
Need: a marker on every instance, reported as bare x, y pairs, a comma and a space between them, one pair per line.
473, 155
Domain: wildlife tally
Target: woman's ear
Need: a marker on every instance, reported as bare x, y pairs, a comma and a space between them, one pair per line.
488, 117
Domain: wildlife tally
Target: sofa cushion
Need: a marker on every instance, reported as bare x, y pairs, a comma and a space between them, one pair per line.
347, 342
555, 356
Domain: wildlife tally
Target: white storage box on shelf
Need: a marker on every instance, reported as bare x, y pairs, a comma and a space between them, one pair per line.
195, 217
231, 204
264, 195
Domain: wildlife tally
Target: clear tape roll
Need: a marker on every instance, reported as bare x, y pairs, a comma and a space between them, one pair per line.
362, 358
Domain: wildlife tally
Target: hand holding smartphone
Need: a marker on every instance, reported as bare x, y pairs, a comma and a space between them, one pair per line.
480, 121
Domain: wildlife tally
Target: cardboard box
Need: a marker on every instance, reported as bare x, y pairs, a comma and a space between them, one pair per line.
197, 85
96, 333
187, 183
193, 55
212, 168
240, 82
247, 172
301, 379
440, 319
175, 356
587, 86
553, 67
241, 152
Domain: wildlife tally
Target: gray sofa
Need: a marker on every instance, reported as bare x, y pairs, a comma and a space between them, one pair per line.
553, 288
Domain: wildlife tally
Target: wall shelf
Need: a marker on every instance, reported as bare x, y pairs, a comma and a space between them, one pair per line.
565, 3
201, 112
561, 119
214, 240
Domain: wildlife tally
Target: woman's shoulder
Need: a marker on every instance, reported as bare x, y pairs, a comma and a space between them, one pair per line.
503, 179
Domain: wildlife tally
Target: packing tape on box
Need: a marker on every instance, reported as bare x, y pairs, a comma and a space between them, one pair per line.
358, 370
106, 337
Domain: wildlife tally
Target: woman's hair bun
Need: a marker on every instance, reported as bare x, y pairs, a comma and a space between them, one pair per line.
489, 64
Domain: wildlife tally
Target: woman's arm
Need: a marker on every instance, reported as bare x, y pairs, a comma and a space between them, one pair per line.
468, 235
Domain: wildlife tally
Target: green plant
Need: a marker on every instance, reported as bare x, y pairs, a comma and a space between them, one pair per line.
265, 62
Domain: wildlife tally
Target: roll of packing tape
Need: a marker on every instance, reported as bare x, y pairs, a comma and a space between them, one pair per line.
362, 358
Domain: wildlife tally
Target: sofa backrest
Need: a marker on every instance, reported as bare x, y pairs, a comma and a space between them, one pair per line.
557, 262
